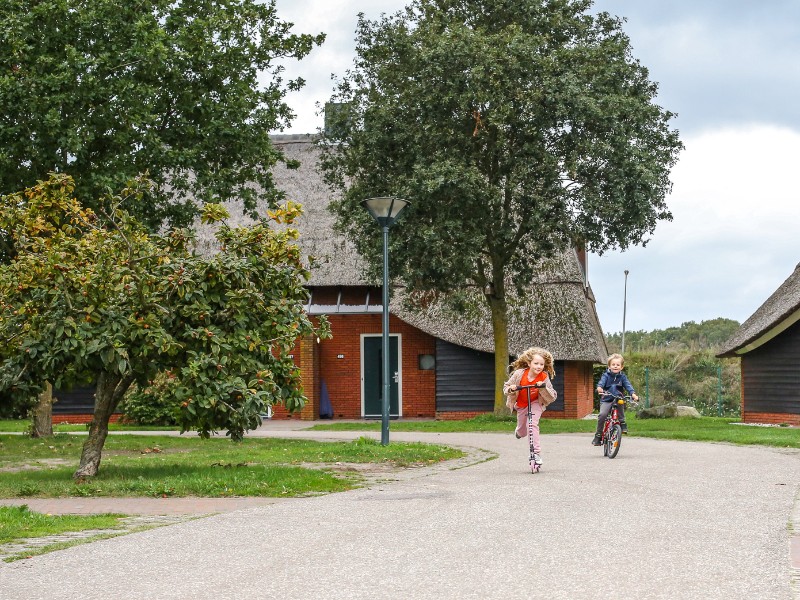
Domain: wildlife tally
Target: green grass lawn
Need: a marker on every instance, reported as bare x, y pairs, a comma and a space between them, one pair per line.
22, 528
705, 429
163, 466
188, 466
482, 423
159, 466
17, 522
715, 429
17, 426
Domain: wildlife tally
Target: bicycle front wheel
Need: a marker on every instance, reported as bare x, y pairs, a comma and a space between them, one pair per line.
613, 441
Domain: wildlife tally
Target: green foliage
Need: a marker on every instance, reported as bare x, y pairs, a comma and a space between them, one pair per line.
186, 91
696, 379
153, 404
530, 117
101, 299
14, 406
681, 365
516, 128
706, 335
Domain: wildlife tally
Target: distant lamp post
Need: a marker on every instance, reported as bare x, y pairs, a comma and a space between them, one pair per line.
385, 211
624, 309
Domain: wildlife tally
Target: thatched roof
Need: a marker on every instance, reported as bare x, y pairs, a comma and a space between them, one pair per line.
562, 319
780, 311
338, 262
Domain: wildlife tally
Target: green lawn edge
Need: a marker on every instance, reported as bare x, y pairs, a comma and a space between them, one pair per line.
703, 429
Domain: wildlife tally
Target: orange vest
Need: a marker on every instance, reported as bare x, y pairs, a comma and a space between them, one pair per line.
522, 398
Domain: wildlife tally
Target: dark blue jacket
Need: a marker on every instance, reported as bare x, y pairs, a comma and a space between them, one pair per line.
614, 384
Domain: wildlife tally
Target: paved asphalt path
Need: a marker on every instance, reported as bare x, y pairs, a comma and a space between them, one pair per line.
664, 519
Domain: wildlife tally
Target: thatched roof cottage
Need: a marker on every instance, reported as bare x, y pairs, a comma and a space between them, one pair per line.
769, 345
442, 363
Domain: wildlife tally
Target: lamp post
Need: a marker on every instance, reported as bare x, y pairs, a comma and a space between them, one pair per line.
624, 309
385, 211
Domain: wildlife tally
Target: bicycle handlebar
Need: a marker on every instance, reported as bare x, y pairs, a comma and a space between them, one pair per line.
527, 387
626, 399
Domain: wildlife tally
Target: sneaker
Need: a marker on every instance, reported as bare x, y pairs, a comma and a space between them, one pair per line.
624, 427
596, 440
537, 458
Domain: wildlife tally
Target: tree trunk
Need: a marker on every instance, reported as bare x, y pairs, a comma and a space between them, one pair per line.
497, 303
42, 423
110, 390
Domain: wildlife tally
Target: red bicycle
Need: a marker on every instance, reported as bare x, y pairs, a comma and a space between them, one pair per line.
612, 428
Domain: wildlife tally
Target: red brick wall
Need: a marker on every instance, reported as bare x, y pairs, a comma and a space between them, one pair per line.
458, 416
306, 357
343, 375
306, 354
584, 394
578, 398
77, 419
770, 418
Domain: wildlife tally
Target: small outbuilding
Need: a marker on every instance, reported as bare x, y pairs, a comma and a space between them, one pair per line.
768, 344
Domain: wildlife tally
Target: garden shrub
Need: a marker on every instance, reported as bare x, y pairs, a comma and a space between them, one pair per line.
691, 378
152, 405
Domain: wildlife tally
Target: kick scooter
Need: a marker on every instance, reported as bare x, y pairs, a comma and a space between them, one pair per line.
535, 466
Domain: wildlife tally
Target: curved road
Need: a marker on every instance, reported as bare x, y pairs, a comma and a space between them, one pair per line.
664, 519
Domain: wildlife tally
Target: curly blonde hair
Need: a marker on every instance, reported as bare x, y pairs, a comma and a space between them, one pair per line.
524, 360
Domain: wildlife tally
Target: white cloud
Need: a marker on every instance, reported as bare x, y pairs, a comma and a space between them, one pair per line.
718, 62
338, 20
729, 68
732, 242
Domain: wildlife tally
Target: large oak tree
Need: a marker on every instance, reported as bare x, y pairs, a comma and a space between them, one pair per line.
185, 90
516, 128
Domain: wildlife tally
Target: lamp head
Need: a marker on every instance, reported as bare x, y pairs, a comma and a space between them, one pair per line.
385, 209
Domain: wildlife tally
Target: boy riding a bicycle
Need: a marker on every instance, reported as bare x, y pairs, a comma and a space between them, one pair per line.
614, 383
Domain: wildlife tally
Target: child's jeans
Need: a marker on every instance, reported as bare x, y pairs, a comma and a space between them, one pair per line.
522, 423
605, 408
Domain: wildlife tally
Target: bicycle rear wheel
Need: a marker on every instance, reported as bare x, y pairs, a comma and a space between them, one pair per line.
613, 441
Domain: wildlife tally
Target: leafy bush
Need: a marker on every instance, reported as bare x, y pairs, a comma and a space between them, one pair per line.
152, 405
14, 406
684, 377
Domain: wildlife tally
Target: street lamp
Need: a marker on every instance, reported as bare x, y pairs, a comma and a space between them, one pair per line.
624, 309
385, 211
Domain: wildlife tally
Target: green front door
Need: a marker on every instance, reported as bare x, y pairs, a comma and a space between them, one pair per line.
372, 365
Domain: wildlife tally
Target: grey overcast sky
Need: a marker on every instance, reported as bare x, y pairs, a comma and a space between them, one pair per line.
730, 69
